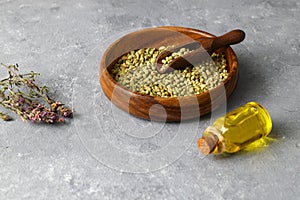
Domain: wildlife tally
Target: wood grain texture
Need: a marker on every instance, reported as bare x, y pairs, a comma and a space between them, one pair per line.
199, 52
177, 109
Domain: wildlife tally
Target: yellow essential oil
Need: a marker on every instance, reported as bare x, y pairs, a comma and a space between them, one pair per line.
236, 130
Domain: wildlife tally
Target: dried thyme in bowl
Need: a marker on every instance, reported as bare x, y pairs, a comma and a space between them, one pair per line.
136, 71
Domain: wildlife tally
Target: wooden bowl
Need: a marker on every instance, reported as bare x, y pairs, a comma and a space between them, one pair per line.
159, 108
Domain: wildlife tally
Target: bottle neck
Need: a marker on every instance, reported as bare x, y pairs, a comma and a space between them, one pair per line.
211, 141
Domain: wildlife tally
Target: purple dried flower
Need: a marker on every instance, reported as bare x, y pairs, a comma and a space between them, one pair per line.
44, 113
21, 100
59, 108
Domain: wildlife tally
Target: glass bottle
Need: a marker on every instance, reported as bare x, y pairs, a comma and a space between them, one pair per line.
235, 130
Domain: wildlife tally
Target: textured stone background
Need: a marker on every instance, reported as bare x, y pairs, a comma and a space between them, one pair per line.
64, 41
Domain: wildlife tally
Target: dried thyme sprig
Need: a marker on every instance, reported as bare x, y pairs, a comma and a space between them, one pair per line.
20, 94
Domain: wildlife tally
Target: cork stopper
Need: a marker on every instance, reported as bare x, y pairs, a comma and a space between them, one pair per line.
208, 143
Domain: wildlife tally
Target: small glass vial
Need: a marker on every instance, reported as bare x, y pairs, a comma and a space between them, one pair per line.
236, 130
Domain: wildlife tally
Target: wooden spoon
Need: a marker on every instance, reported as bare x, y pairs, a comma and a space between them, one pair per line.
199, 50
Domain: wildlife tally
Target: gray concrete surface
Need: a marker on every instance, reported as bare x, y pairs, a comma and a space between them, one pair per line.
105, 154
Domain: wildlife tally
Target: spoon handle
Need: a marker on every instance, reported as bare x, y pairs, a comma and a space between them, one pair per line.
230, 38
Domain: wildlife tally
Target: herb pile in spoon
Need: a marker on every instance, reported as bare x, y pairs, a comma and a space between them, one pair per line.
20, 94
